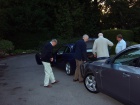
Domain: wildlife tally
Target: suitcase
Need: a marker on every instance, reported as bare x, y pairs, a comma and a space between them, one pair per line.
38, 58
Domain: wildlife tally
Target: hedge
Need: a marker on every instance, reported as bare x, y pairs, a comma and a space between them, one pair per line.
27, 41
6, 46
111, 34
137, 34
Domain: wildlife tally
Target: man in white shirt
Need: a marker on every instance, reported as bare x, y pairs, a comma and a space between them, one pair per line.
100, 47
121, 44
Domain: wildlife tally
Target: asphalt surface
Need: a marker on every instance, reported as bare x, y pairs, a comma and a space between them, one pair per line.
21, 83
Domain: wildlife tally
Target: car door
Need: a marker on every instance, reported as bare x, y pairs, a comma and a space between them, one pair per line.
116, 76
135, 79
59, 56
68, 54
135, 87
115, 81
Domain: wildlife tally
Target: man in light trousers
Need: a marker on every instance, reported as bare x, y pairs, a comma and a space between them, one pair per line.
46, 57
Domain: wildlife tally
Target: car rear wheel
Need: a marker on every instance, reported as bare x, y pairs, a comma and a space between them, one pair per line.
68, 69
90, 83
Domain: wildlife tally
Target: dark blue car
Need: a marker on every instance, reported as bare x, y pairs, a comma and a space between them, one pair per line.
64, 57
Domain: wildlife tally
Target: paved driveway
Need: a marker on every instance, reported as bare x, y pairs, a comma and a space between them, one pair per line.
21, 83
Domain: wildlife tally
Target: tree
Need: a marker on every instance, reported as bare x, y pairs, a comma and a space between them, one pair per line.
92, 16
37, 20
122, 14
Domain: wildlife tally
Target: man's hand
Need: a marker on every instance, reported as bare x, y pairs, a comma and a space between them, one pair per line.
51, 59
95, 55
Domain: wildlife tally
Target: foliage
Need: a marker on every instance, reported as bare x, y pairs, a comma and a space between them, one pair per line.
62, 41
6, 47
112, 50
131, 43
22, 21
69, 18
123, 14
111, 34
28, 22
137, 34
27, 41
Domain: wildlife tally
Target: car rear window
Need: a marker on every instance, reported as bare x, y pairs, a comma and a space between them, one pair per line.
89, 44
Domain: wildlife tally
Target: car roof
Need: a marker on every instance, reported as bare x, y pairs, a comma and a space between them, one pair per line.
72, 44
69, 45
92, 39
134, 46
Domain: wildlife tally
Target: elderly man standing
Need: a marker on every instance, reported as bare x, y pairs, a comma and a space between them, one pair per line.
80, 57
100, 47
121, 44
46, 57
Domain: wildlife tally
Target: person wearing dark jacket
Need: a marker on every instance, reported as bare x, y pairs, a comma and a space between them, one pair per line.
46, 57
80, 56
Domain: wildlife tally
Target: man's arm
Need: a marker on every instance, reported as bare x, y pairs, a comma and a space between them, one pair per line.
84, 52
94, 49
109, 43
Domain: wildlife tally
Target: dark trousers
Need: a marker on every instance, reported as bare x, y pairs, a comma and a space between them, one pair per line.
77, 75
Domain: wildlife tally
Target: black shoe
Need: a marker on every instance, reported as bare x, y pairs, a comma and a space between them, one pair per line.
80, 81
49, 86
74, 80
55, 82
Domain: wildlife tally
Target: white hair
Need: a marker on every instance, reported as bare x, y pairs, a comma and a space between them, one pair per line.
85, 36
54, 40
100, 34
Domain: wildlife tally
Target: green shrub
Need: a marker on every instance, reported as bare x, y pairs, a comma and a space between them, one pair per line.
128, 35
112, 50
18, 51
6, 46
137, 34
130, 43
29, 40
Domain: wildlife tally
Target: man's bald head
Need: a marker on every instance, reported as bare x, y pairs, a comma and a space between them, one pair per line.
100, 34
85, 37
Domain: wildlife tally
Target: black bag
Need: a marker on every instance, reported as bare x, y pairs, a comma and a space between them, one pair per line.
38, 58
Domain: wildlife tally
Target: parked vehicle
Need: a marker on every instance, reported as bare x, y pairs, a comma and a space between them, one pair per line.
118, 77
64, 57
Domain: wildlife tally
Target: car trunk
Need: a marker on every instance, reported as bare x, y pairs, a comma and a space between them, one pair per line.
90, 56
